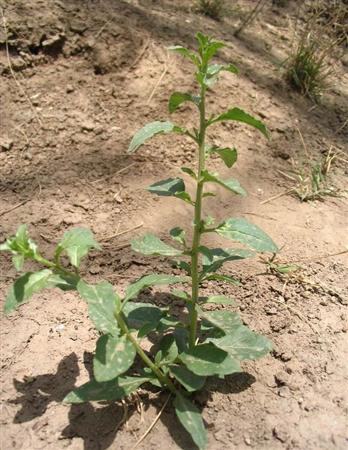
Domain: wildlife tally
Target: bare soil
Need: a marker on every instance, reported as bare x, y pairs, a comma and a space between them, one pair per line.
87, 75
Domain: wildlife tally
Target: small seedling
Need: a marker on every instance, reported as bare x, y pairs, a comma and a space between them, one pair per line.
205, 343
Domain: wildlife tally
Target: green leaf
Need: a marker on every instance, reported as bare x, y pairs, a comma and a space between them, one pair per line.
207, 47
228, 155
150, 130
189, 172
102, 303
21, 246
77, 243
224, 320
177, 98
168, 187
152, 280
216, 257
218, 277
151, 245
242, 343
186, 53
178, 234
191, 419
63, 281
188, 379
213, 71
109, 390
168, 350
114, 355
239, 115
242, 231
24, 287
181, 294
141, 314
231, 184
217, 300
208, 360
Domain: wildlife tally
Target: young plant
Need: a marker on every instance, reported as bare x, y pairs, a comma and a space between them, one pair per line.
206, 343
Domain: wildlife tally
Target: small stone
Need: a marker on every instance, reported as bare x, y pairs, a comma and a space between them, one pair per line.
247, 440
78, 26
282, 378
69, 88
53, 41
88, 125
280, 434
18, 64
6, 143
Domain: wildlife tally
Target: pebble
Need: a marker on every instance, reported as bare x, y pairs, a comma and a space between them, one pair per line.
69, 88
280, 434
87, 125
6, 144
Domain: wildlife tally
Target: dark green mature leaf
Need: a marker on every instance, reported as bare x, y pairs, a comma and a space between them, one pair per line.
217, 300
186, 53
178, 234
218, 277
63, 281
189, 171
239, 115
149, 244
191, 419
188, 379
168, 350
207, 360
102, 303
228, 155
242, 231
77, 243
242, 343
141, 314
168, 187
150, 130
216, 257
224, 320
152, 280
230, 184
109, 390
177, 98
24, 287
114, 355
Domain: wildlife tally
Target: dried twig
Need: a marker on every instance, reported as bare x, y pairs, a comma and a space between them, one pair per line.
6, 211
14, 75
141, 54
122, 170
277, 196
152, 424
122, 232
158, 82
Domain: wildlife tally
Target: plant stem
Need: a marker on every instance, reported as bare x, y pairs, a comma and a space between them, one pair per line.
197, 223
159, 374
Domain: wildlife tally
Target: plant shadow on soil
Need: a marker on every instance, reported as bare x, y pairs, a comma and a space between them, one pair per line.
98, 425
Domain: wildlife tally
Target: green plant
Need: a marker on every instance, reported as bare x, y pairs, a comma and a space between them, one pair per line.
211, 8
206, 342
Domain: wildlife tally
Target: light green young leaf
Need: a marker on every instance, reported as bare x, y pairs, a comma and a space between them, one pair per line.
207, 47
188, 379
242, 231
77, 243
151, 245
186, 53
178, 234
177, 98
181, 294
242, 343
230, 184
213, 71
228, 155
114, 356
21, 246
150, 130
142, 314
18, 261
217, 300
191, 419
24, 287
224, 320
218, 277
239, 115
208, 360
102, 303
110, 390
152, 280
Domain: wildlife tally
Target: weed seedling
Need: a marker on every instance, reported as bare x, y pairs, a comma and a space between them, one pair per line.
206, 343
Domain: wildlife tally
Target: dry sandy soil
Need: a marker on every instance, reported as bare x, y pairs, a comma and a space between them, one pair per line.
88, 75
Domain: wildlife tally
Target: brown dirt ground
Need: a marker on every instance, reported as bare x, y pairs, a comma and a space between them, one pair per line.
91, 70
